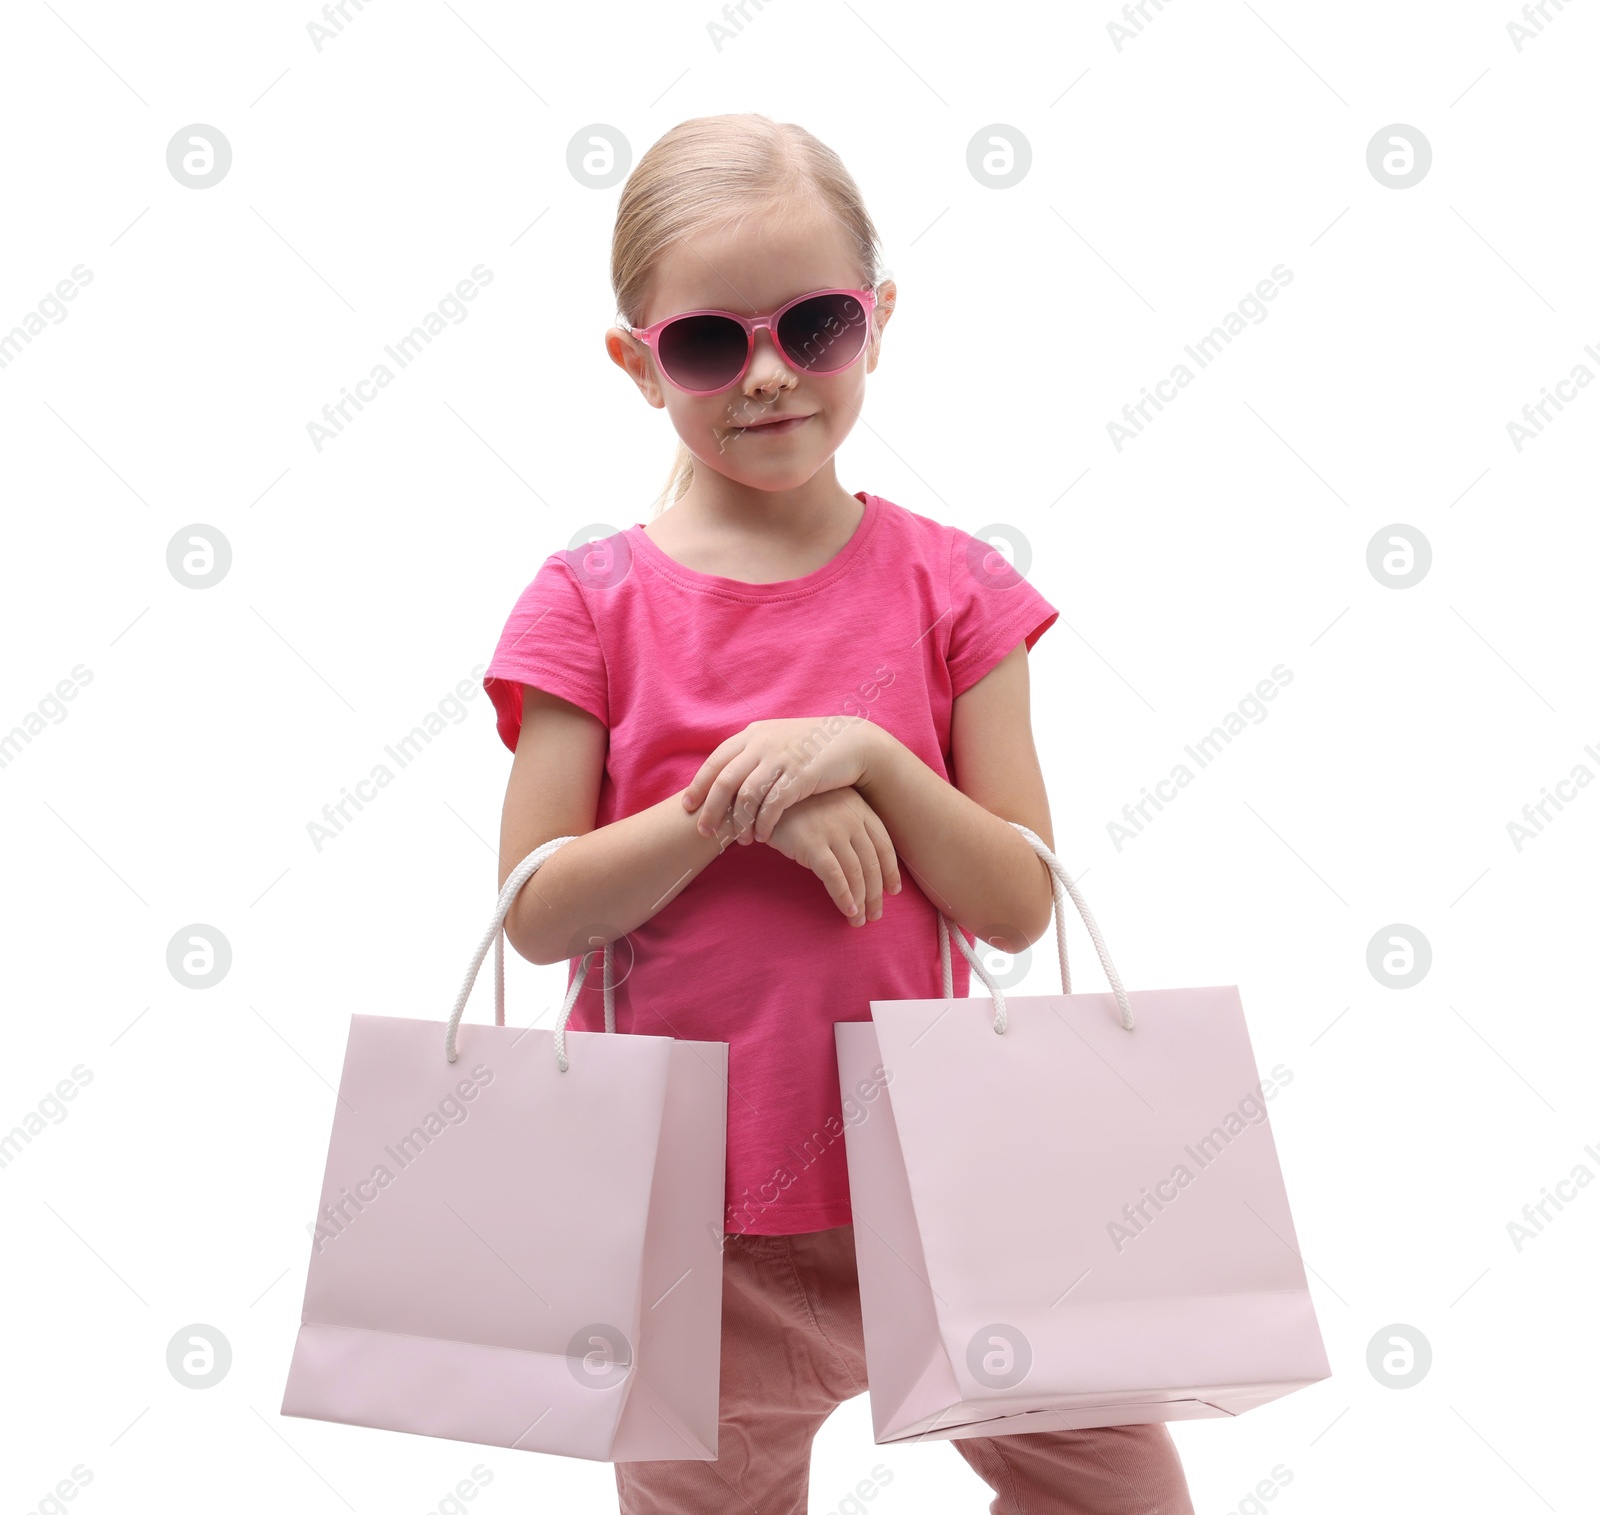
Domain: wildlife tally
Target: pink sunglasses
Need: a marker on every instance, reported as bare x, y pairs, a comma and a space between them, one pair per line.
704, 352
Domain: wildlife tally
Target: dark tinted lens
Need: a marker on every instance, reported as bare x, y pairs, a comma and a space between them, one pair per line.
824, 333
703, 352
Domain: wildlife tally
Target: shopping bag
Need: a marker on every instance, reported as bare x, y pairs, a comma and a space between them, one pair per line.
519, 1244
1078, 1222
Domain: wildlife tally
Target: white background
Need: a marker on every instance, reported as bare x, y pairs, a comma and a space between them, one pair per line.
372, 576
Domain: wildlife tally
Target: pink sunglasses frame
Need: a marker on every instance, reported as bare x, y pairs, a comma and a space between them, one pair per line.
651, 335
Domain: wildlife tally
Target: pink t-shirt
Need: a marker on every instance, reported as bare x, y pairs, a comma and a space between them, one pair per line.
753, 952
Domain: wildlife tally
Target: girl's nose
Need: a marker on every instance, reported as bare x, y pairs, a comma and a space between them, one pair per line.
767, 368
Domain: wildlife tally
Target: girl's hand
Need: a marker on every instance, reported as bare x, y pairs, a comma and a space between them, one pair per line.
838, 836
756, 775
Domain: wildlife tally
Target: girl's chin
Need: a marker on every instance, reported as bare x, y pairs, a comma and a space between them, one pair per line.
763, 452
791, 474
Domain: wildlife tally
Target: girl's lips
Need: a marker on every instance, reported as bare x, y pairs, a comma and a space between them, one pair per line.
773, 428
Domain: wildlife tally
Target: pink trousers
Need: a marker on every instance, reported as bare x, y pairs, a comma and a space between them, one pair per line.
792, 1350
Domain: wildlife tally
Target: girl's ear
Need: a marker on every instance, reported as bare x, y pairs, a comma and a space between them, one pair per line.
885, 307
880, 318
633, 357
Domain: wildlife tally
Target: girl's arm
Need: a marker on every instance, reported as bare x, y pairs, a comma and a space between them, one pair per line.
611, 879
956, 839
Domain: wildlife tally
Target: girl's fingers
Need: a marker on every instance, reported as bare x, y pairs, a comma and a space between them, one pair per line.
719, 797
783, 791
708, 770
831, 872
887, 861
855, 883
867, 855
760, 795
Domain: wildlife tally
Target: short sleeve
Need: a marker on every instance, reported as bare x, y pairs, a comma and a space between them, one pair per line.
992, 609
550, 642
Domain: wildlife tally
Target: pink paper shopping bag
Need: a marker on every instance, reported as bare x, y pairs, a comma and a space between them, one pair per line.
1078, 1222
519, 1243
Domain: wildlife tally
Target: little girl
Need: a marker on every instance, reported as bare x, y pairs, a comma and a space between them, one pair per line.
775, 715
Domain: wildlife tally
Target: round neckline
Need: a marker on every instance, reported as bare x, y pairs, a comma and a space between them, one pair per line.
714, 583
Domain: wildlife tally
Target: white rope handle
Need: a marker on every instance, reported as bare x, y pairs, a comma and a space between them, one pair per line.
1058, 878
496, 934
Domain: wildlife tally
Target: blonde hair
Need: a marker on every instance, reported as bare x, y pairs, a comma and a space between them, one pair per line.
714, 171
